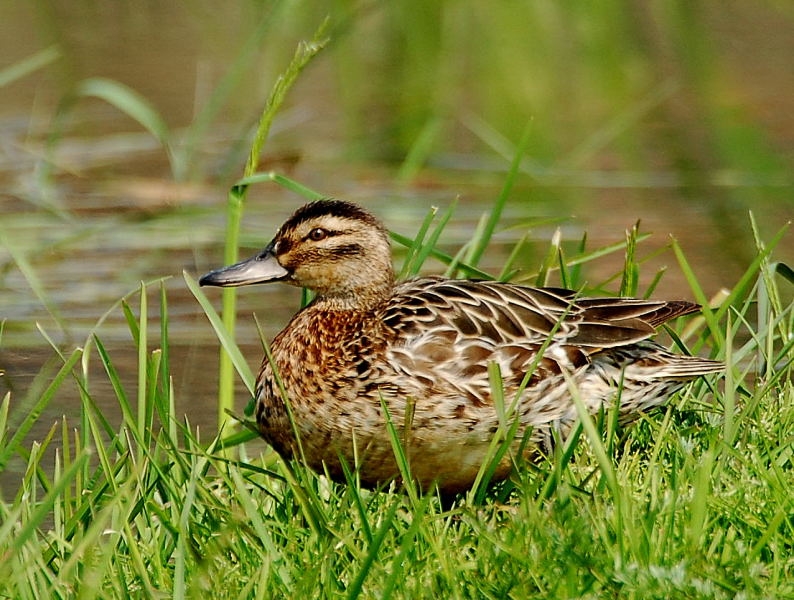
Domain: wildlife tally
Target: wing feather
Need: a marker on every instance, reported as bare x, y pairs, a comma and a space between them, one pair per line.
451, 330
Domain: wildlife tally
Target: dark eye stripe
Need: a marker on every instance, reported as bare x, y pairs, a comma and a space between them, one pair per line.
348, 250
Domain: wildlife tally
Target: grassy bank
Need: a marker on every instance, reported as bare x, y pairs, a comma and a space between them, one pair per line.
692, 502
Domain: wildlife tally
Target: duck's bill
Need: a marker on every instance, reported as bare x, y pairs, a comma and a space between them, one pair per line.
261, 268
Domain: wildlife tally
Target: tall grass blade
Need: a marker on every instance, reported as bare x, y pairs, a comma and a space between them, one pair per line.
225, 338
426, 248
495, 214
282, 180
165, 385
252, 512
550, 261
507, 269
387, 524
698, 508
35, 411
304, 54
128, 101
29, 273
629, 283
444, 258
410, 265
4, 419
503, 438
28, 65
181, 550
420, 149
143, 423
593, 436
44, 507
401, 453
236, 200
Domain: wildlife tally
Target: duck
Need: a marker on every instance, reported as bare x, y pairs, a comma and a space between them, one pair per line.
446, 364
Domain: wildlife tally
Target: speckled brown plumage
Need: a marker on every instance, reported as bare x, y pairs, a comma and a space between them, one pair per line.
423, 347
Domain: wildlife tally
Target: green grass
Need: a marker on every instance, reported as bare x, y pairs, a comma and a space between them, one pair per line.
694, 501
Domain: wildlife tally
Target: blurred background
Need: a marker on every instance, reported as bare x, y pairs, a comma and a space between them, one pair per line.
677, 113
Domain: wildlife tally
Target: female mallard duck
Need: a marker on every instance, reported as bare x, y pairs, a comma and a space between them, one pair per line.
422, 348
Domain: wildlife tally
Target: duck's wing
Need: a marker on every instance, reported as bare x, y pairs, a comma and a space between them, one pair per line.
505, 313
448, 331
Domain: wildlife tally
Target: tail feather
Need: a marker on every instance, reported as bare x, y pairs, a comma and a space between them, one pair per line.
651, 312
689, 367
648, 360
662, 364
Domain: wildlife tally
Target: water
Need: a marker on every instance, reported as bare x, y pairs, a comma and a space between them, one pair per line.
112, 213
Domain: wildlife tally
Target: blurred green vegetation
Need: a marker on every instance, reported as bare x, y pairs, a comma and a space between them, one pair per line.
614, 85
674, 101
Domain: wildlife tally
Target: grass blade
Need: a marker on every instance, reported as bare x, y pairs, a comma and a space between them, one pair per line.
28, 65
495, 214
226, 340
126, 100
236, 200
36, 410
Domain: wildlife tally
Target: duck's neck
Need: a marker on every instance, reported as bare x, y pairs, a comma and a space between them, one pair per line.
363, 299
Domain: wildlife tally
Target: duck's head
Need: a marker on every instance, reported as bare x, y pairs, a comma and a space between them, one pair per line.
335, 248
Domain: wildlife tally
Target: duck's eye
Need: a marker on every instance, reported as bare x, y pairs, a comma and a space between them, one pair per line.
317, 234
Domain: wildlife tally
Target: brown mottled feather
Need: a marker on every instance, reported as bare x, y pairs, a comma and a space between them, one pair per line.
428, 343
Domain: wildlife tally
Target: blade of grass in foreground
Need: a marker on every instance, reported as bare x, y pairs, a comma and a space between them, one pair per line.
550, 260
44, 508
503, 438
415, 245
446, 259
417, 155
283, 181
424, 249
236, 199
629, 283
401, 453
599, 450
249, 506
226, 339
482, 241
144, 420
387, 523
4, 416
35, 412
